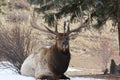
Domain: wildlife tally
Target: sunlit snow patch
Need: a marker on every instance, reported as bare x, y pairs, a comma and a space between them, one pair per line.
72, 69
7, 68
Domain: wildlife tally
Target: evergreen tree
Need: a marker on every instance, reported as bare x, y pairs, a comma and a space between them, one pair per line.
96, 10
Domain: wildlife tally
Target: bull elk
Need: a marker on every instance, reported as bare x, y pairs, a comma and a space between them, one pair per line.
50, 63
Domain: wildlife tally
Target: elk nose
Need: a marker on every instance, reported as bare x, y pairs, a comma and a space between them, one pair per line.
65, 42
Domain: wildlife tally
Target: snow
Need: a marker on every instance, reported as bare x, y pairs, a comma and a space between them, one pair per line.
10, 74
14, 77
72, 69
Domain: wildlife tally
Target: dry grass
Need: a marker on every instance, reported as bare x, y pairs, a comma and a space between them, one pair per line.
104, 51
83, 57
15, 45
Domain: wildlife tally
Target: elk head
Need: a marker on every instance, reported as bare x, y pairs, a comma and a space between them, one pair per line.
62, 39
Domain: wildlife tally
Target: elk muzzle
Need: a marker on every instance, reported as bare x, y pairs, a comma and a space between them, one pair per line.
65, 44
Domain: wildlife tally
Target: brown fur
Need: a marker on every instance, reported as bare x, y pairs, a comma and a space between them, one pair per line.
50, 63
57, 59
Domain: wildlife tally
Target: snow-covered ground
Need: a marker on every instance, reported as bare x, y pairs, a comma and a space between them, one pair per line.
10, 74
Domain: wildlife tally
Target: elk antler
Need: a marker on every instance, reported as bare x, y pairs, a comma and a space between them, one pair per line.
64, 28
34, 25
55, 22
68, 28
77, 29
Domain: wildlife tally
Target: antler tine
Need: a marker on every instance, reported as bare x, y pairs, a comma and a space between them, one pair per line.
64, 26
50, 30
77, 29
81, 23
34, 25
56, 29
68, 27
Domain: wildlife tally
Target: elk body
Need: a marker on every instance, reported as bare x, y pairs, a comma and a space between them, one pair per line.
50, 63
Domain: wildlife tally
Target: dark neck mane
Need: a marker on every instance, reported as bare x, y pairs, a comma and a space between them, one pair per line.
58, 61
56, 49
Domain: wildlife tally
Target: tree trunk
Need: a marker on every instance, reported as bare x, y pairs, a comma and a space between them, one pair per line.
106, 71
119, 35
118, 19
112, 67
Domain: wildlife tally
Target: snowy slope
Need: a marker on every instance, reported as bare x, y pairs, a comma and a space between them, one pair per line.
10, 74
